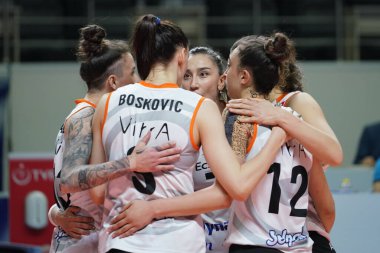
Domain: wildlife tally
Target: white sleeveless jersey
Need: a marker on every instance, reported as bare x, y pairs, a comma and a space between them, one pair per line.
283, 99
215, 223
314, 223
169, 113
274, 215
61, 242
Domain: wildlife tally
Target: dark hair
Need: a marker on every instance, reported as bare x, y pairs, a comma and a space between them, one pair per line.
155, 40
97, 54
214, 56
266, 58
293, 76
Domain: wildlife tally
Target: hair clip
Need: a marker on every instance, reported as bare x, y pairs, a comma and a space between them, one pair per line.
157, 21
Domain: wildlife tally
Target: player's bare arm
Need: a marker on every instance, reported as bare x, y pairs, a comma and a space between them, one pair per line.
76, 175
321, 195
313, 131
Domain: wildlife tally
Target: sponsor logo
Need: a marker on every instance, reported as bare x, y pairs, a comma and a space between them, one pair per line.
22, 176
285, 238
210, 228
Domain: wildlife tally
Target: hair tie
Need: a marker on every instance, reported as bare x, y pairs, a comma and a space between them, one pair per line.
157, 21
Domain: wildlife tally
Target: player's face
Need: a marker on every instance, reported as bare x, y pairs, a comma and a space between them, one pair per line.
234, 87
202, 76
129, 71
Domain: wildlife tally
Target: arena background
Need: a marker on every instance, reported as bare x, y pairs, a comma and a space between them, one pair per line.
338, 45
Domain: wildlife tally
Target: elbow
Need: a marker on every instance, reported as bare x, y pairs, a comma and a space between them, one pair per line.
226, 203
337, 159
242, 190
335, 156
240, 195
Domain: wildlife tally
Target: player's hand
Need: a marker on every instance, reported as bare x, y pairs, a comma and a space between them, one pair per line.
73, 224
132, 217
151, 159
257, 110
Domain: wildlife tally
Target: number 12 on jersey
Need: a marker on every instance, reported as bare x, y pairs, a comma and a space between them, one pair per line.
274, 203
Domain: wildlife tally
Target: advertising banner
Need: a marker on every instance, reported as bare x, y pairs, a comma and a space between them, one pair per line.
31, 179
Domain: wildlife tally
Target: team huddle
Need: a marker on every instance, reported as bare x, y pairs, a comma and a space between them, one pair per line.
176, 150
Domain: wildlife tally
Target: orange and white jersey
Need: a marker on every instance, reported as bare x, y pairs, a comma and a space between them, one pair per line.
169, 113
274, 215
283, 99
314, 223
215, 222
61, 242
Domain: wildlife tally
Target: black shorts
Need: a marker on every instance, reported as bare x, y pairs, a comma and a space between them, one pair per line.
117, 251
235, 248
321, 243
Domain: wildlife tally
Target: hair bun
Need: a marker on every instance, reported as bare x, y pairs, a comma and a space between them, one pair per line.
278, 47
91, 42
93, 33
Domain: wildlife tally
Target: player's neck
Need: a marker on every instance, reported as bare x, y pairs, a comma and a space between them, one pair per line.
94, 97
161, 73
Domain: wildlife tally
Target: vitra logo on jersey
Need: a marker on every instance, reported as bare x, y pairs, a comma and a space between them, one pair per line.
23, 176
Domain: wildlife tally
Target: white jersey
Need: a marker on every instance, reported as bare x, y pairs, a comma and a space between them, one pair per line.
274, 215
169, 113
283, 99
61, 242
314, 223
216, 222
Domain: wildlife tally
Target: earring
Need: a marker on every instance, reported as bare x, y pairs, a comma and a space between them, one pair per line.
223, 96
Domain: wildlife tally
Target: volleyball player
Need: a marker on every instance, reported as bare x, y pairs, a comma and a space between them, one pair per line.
105, 66
205, 76
313, 132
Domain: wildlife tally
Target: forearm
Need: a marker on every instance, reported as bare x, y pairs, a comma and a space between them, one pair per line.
202, 201
321, 195
88, 176
323, 146
328, 221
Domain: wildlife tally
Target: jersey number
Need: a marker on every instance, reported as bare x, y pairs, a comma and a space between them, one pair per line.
150, 183
274, 203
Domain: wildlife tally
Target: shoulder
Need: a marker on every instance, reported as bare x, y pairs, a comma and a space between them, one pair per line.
304, 101
208, 111
84, 113
301, 97
80, 118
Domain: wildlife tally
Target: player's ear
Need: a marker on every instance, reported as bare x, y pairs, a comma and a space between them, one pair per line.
245, 77
111, 83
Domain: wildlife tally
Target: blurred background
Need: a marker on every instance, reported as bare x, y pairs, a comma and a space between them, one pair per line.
338, 46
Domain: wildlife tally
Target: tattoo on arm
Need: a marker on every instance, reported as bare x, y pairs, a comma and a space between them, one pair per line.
77, 174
